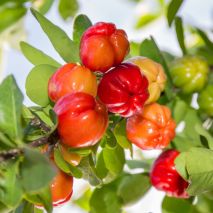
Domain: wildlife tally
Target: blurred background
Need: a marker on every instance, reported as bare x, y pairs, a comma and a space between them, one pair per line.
139, 18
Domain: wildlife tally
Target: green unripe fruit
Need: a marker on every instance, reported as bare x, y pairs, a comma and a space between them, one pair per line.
189, 73
205, 100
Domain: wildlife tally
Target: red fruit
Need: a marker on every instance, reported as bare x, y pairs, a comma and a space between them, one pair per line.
103, 46
164, 176
124, 89
71, 78
61, 188
82, 119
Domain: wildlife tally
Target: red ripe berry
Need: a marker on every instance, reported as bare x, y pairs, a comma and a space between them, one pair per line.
124, 89
164, 176
103, 46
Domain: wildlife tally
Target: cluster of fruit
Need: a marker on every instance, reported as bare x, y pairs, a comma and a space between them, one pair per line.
85, 94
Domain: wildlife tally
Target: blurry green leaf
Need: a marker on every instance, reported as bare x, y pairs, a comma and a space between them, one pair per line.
64, 166
146, 19
180, 165
81, 23
10, 15
43, 197
68, 8
199, 165
83, 201
179, 110
101, 167
120, 135
43, 6
136, 164
5, 142
81, 151
150, 50
133, 187
180, 34
89, 172
36, 171
66, 48
10, 107
10, 183
204, 204
109, 139
105, 200
134, 49
176, 205
173, 8
205, 38
114, 158
36, 56
38, 92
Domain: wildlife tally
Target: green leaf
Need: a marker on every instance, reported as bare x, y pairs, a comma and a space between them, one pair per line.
36, 171
66, 48
81, 23
150, 50
64, 166
105, 200
173, 8
180, 165
146, 19
83, 200
180, 34
133, 187
10, 15
10, 107
10, 183
43, 197
143, 164
176, 205
101, 169
38, 92
120, 135
199, 165
134, 49
68, 8
179, 110
114, 158
205, 38
36, 56
43, 6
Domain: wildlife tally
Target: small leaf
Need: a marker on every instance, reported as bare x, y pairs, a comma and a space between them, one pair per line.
36, 56
120, 135
36, 171
68, 8
10, 107
180, 165
114, 158
133, 187
37, 83
64, 166
101, 169
146, 19
66, 48
10, 15
180, 34
81, 23
173, 8
142, 164
179, 110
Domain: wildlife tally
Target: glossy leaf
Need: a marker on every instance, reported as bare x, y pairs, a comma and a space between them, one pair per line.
37, 83
68, 8
173, 8
81, 23
66, 48
10, 107
35, 163
133, 187
36, 56
180, 34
